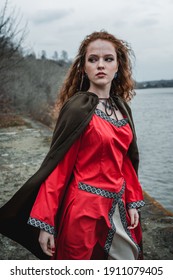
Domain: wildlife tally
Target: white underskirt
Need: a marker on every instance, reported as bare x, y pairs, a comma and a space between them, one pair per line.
122, 247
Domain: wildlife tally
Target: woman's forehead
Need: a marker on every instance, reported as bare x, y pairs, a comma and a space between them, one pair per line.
100, 45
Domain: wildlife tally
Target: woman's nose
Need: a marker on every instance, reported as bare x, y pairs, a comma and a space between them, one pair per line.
100, 64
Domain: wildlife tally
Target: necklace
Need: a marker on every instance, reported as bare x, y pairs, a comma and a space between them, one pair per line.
109, 104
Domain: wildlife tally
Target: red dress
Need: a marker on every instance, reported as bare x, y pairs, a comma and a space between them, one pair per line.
93, 218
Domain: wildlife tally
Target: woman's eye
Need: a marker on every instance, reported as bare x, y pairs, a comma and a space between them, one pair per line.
109, 59
92, 59
95, 59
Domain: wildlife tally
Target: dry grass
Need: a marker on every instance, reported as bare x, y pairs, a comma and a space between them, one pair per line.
7, 120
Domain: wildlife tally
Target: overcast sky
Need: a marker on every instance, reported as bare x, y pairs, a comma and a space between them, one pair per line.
56, 25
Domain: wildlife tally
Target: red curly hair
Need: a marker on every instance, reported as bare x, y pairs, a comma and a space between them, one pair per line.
123, 85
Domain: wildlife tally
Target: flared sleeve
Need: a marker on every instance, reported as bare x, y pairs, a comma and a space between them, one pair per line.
52, 190
133, 190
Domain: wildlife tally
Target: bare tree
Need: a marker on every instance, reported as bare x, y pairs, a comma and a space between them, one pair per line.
11, 38
43, 54
55, 56
64, 56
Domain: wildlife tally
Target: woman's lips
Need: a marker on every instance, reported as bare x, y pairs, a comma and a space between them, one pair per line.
100, 74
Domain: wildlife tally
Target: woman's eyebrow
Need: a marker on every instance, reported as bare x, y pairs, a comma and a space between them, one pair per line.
103, 55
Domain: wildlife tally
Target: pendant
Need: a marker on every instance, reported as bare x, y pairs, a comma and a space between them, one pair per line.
110, 105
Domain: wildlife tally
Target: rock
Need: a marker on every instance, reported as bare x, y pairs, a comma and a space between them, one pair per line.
157, 224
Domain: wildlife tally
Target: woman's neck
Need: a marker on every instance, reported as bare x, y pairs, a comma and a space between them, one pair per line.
101, 93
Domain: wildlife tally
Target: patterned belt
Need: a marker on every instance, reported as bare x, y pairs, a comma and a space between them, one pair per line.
102, 192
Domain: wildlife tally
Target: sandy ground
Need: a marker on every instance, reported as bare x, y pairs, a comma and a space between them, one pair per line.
22, 149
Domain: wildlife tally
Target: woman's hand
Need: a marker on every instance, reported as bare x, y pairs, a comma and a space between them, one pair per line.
47, 242
134, 218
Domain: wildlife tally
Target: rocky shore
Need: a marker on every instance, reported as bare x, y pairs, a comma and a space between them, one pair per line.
23, 145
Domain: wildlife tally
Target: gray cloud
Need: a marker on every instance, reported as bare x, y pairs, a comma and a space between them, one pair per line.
146, 22
47, 16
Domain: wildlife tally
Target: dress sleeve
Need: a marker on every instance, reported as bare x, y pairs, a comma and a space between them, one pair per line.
133, 190
51, 192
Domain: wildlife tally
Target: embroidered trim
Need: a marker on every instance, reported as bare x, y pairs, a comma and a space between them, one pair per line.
118, 123
136, 204
113, 228
42, 225
99, 191
124, 222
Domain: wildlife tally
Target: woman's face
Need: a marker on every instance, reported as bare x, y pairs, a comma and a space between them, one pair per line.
100, 63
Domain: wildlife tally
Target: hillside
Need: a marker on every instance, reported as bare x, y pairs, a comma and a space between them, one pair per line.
32, 86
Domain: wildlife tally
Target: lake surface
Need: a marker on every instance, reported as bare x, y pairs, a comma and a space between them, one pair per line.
153, 116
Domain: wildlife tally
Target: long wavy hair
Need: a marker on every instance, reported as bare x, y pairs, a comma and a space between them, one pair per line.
75, 80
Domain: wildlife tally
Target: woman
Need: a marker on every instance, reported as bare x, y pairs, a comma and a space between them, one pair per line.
85, 196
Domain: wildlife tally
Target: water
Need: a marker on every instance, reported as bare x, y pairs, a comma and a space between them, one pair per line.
152, 112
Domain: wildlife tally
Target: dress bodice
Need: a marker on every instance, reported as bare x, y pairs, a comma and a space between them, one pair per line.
104, 143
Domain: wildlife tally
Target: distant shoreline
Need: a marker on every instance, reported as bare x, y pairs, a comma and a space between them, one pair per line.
154, 84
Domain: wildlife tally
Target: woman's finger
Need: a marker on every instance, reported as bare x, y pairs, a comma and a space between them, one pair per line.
44, 240
51, 244
134, 218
